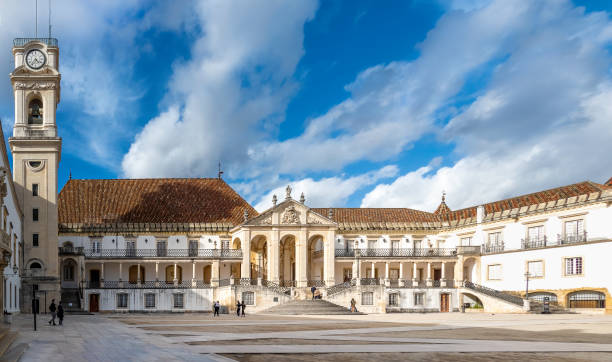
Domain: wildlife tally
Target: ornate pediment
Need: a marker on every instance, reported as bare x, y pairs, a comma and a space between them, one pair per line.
289, 212
290, 216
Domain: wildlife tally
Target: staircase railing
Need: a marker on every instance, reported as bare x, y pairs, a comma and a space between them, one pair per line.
493, 293
339, 288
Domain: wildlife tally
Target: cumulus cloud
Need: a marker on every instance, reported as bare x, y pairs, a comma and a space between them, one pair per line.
327, 192
543, 120
232, 92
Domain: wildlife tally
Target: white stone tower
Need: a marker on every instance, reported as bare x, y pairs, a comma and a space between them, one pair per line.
36, 150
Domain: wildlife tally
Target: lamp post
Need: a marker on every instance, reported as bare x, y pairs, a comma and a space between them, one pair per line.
527, 275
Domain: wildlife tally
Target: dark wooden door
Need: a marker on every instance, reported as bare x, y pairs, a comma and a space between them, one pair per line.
94, 303
94, 278
444, 299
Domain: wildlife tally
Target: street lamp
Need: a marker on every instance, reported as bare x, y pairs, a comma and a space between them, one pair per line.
527, 275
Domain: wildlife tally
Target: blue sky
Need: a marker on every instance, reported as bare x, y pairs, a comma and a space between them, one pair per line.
354, 103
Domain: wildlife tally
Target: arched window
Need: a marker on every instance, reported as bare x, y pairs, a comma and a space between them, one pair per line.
35, 112
134, 274
69, 268
35, 265
170, 274
587, 299
539, 297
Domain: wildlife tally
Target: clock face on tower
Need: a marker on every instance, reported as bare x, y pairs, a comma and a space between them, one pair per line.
35, 59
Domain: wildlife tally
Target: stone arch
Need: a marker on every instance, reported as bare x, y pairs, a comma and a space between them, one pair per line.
472, 299
207, 274
35, 107
586, 299
287, 256
237, 244
539, 297
470, 270
133, 274
315, 262
258, 256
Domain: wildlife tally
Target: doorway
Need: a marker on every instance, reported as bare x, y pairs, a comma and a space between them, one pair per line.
94, 278
94, 303
444, 302
437, 274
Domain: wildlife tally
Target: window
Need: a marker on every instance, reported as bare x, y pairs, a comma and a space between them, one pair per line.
122, 300
573, 266
34, 214
69, 272
394, 299
419, 298
193, 248
418, 244
574, 230
34, 189
35, 112
540, 296
494, 272
248, 298
535, 233
367, 298
587, 299
535, 269
178, 300
35, 265
149, 300
130, 249
495, 238
467, 241
162, 248
35, 240
95, 246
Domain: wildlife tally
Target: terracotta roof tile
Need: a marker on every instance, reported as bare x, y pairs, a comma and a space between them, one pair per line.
609, 182
163, 200
369, 215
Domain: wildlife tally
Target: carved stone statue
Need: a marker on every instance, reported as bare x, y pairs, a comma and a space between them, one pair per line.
291, 216
288, 192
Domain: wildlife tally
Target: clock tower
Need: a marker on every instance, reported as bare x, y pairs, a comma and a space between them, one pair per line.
36, 150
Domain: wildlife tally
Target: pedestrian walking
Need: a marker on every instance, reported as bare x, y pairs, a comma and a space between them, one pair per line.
217, 306
60, 313
238, 305
243, 307
313, 290
353, 305
52, 309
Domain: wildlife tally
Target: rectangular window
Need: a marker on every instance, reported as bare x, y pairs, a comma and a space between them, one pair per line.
178, 300
248, 298
419, 298
367, 298
34, 214
418, 244
574, 230
467, 241
494, 272
34, 189
536, 233
35, 240
495, 238
193, 248
573, 266
535, 269
95, 246
394, 299
149, 300
122, 300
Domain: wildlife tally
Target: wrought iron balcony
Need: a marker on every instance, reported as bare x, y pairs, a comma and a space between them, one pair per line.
534, 242
148, 284
572, 238
468, 250
397, 252
71, 250
493, 248
19, 42
163, 253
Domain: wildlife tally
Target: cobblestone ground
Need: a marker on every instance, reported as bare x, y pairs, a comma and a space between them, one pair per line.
390, 337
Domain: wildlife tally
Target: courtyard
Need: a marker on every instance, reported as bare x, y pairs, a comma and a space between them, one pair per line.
384, 337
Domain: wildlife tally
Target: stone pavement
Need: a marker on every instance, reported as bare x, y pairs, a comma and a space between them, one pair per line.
200, 337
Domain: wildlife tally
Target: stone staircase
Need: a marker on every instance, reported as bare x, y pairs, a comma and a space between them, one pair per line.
308, 307
71, 296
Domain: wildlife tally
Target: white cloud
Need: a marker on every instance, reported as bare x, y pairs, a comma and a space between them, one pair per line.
233, 90
543, 120
327, 192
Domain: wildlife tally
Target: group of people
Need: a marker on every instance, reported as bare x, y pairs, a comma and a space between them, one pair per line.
56, 311
239, 308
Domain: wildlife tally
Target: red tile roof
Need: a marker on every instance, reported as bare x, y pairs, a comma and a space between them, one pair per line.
582, 188
609, 182
360, 215
164, 200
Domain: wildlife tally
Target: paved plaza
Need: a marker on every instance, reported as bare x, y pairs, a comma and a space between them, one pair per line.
385, 337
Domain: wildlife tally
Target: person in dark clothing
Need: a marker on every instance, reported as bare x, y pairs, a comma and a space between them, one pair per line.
313, 290
238, 305
60, 313
217, 306
243, 307
52, 309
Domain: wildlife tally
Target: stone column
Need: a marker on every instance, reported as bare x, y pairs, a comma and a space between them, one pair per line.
415, 281
274, 256
443, 278
459, 272
401, 275
387, 282
214, 273
359, 266
429, 282
175, 280
157, 274
245, 267
329, 259
193, 273
138, 274
301, 258
120, 274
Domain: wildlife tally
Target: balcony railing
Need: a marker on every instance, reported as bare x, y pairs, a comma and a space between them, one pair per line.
493, 248
397, 252
468, 250
369, 281
534, 242
162, 253
19, 42
572, 238
71, 250
148, 284
316, 283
